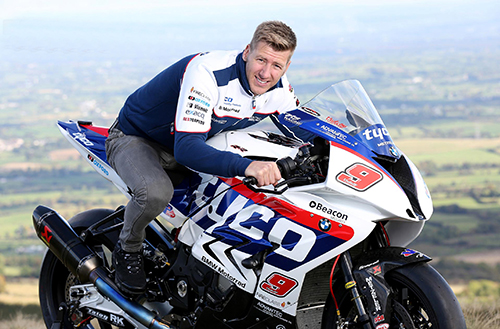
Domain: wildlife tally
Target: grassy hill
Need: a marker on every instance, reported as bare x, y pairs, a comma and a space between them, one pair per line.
442, 108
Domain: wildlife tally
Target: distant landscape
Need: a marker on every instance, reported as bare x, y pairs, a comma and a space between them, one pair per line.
439, 100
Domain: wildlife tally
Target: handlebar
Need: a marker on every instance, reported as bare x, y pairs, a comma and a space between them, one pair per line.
308, 167
250, 180
286, 166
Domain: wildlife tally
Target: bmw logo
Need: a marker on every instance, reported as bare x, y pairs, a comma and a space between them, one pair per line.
325, 225
393, 151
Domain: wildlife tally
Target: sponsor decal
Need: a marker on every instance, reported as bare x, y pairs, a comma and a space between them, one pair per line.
373, 293
195, 113
383, 326
197, 107
46, 236
278, 285
221, 122
290, 88
310, 111
333, 133
329, 211
199, 100
410, 252
293, 119
201, 122
237, 147
336, 123
170, 211
97, 314
394, 151
254, 119
117, 320
375, 270
385, 143
228, 109
199, 93
229, 101
379, 318
97, 164
375, 133
359, 177
362, 267
325, 225
223, 272
267, 299
266, 309
81, 137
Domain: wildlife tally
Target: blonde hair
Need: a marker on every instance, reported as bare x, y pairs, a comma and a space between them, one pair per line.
276, 34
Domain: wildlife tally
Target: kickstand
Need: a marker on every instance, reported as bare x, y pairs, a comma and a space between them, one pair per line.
57, 324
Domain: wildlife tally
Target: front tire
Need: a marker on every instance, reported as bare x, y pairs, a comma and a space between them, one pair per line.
422, 299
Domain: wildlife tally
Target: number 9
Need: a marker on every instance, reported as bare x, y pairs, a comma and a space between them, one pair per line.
359, 177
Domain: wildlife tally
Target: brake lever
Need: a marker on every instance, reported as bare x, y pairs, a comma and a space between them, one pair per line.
250, 182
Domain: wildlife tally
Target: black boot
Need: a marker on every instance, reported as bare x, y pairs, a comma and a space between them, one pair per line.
130, 276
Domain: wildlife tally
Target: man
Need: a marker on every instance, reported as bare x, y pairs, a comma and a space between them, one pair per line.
167, 121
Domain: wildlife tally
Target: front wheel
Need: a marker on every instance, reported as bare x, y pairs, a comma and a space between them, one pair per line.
422, 299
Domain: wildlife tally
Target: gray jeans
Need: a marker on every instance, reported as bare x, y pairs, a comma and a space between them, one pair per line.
141, 164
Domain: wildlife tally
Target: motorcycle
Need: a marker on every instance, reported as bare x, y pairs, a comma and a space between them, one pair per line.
324, 248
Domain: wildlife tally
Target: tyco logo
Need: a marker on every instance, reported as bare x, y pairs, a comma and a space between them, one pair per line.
81, 137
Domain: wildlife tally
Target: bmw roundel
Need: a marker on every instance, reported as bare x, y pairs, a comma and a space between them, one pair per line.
325, 224
394, 151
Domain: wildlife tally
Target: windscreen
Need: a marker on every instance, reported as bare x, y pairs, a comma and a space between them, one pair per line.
345, 106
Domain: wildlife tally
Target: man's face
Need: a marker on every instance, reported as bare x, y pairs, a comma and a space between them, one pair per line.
265, 66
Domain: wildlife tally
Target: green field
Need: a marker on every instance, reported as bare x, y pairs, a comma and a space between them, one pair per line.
441, 106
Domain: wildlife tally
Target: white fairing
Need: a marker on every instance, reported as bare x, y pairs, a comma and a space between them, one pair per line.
248, 144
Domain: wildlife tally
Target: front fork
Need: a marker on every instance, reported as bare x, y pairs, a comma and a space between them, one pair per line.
351, 285
378, 240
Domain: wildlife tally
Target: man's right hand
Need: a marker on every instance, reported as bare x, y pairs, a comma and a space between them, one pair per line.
266, 172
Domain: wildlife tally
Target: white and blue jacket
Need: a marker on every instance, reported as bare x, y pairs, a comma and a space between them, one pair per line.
196, 98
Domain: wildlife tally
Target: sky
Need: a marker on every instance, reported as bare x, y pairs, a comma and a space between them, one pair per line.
24, 8
66, 30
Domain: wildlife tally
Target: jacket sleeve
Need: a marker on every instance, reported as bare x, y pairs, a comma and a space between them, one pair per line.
191, 151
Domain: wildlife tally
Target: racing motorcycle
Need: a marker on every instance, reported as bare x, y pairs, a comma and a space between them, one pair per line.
324, 248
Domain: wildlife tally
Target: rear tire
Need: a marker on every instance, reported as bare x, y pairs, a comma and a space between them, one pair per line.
422, 300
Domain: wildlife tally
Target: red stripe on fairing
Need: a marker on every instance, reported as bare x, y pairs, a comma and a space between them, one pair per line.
100, 130
290, 211
345, 148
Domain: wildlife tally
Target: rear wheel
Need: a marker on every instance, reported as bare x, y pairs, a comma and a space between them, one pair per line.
55, 279
422, 299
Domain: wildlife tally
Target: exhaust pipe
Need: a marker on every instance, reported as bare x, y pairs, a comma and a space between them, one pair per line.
69, 248
64, 243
